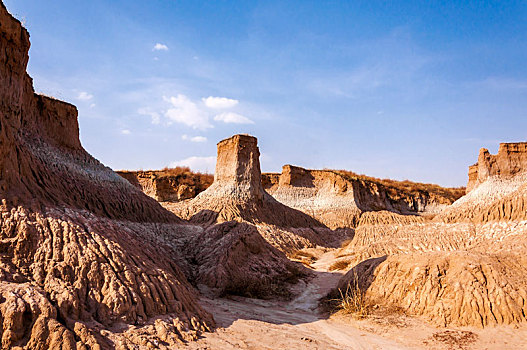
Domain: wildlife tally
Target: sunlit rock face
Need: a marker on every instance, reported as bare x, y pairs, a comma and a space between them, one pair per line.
510, 160
238, 168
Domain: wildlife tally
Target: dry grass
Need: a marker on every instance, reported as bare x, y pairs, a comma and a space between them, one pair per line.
179, 170
345, 243
303, 257
339, 265
407, 186
353, 300
182, 175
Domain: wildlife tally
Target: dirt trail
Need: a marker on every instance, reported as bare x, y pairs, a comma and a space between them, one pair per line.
268, 324
258, 324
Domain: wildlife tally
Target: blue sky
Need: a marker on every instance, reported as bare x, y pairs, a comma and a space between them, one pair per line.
406, 90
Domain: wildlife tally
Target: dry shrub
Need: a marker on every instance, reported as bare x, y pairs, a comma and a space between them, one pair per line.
185, 172
267, 287
176, 171
339, 265
353, 300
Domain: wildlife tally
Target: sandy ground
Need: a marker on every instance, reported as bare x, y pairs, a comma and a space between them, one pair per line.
265, 324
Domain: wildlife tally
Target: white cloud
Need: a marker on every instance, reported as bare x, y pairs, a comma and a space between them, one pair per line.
92, 105
186, 112
202, 164
84, 96
219, 102
126, 132
233, 118
156, 118
194, 139
160, 47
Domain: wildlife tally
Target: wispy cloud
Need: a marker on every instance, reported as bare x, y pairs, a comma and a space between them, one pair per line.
186, 112
219, 102
126, 132
156, 118
160, 47
232, 118
203, 164
194, 138
84, 96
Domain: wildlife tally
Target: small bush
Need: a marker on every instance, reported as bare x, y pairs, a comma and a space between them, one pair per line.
353, 301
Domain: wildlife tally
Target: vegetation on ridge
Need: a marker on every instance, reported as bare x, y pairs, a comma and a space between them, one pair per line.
406, 185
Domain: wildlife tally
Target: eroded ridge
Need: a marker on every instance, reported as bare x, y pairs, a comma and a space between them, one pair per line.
78, 265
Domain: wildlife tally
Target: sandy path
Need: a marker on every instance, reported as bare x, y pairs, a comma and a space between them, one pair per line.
266, 324
258, 324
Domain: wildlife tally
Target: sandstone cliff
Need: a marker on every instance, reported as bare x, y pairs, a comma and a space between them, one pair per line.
77, 255
42, 161
497, 187
510, 160
338, 198
237, 192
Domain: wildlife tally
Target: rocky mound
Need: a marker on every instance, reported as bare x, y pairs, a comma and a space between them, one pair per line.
324, 195
172, 185
90, 274
497, 188
465, 268
338, 198
233, 258
453, 274
75, 257
237, 194
457, 288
